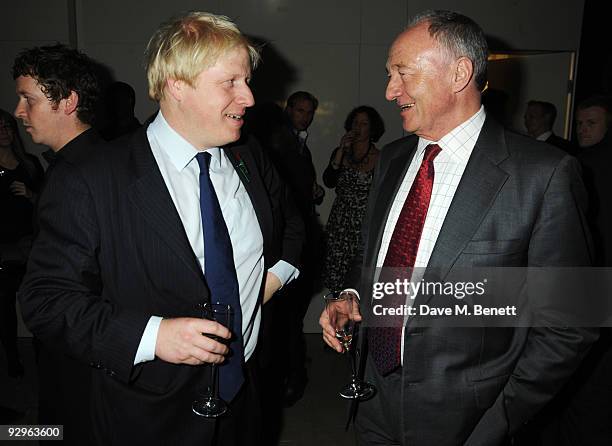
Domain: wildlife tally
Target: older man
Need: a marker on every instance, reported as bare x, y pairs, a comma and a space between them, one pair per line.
179, 214
460, 192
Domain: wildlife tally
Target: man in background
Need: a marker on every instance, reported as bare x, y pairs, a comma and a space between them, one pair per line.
120, 101
287, 144
58, 91
593, 119
292, 155
540, 118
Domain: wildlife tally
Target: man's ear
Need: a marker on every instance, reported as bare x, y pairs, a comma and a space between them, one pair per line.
71, 103
176, 88
464, 71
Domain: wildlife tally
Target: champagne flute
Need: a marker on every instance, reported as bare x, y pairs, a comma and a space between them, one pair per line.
209, 404
341, 307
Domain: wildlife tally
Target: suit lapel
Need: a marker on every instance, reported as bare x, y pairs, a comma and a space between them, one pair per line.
149, 195
479, 185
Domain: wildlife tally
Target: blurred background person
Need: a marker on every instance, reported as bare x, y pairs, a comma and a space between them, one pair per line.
350, 172
284, 135
21, 176
539, 120
120, 100
593, 119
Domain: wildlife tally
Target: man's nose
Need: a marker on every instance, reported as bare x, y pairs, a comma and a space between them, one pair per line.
246, 97
393, 90
19, 110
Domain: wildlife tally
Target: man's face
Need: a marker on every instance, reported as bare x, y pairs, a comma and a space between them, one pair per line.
42, 119
301, 114
420, 82
212, 111
535, 121
591, 125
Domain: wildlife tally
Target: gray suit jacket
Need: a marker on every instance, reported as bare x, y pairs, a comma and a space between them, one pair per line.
519, 203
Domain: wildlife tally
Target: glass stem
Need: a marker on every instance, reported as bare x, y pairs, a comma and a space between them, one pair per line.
352, 361
212, 388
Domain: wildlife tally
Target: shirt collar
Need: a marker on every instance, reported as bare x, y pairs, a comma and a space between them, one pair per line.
179, 151
460, 141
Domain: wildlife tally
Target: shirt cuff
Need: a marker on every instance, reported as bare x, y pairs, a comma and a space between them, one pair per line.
352, 290
285, 272
146, 348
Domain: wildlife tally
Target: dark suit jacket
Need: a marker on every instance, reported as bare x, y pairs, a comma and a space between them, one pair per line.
295, 167
64, 382
562, 144
112, 251
519, 203
596, 164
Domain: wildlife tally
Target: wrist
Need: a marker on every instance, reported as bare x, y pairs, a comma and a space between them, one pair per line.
337, 161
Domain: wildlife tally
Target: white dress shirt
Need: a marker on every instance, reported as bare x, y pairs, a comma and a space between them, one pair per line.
449, 165
181, 173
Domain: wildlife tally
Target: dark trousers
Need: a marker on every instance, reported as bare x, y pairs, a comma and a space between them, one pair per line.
290, 307
283, 353
242, 425
64, 386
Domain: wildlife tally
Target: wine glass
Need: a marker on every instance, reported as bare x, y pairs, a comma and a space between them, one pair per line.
341, 306
209, 404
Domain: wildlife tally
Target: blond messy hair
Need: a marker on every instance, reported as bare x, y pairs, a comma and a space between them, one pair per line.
185, 45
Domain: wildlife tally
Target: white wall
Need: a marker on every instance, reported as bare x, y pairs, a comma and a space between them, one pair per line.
23, 24
522, 24
335, 49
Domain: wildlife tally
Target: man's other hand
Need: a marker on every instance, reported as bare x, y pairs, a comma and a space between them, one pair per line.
329, 333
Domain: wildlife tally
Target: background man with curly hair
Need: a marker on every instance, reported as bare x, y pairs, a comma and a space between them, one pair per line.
58, 90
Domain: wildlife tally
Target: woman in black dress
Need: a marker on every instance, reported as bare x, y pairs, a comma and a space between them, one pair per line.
350, 172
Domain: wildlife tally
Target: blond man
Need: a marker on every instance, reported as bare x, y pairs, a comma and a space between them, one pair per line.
159, 224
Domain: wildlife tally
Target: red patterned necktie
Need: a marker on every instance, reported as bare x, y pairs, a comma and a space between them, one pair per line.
385, 341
